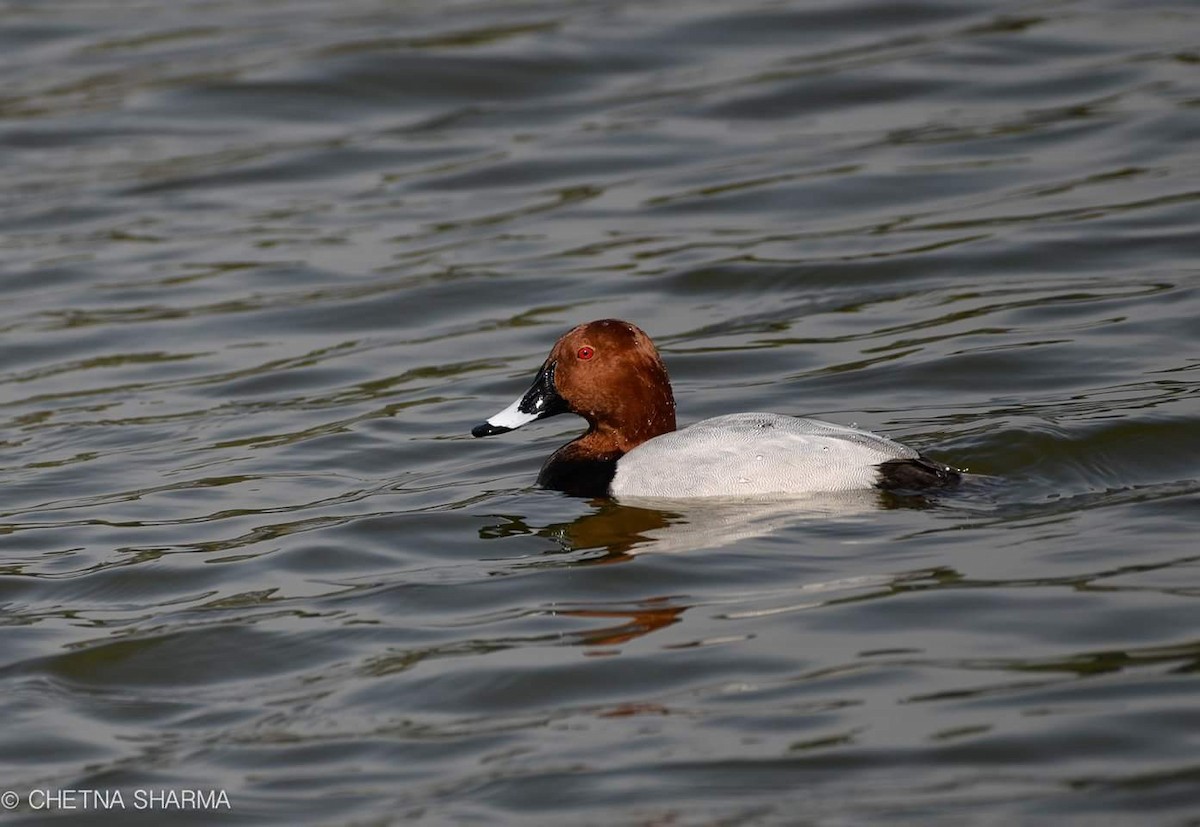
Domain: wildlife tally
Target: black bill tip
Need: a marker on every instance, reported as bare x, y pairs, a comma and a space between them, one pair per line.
488, 429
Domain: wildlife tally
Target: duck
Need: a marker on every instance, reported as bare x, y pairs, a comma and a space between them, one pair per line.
610, 373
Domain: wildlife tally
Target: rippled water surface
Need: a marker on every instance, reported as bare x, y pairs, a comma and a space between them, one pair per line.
264, 264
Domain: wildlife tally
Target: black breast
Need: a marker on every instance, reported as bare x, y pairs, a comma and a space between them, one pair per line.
579, 477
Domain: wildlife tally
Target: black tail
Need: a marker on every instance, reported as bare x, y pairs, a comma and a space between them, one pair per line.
916, 474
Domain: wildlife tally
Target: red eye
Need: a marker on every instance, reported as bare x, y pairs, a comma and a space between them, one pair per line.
585, 352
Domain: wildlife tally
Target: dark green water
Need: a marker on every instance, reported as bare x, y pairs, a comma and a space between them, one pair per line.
265, 264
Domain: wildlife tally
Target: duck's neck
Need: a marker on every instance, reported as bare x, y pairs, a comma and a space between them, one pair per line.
605, 440
645, 414
585, 466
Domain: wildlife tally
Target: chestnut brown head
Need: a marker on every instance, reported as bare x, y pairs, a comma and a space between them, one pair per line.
606, 371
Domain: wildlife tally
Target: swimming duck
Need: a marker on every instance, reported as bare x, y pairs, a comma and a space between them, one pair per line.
609, 372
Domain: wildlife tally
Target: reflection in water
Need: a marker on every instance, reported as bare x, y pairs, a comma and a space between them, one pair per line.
636, 525
690, 525
649, 616
623, 530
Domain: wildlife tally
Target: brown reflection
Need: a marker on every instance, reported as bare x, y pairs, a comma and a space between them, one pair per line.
652, 615
622, 530
615, 529
629, 710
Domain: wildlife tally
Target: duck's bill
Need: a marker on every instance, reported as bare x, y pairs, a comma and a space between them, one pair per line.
540, 401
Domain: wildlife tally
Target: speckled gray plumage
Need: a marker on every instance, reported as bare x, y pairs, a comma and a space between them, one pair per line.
752, 454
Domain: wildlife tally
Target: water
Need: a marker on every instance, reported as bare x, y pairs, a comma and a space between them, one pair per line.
265, 264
